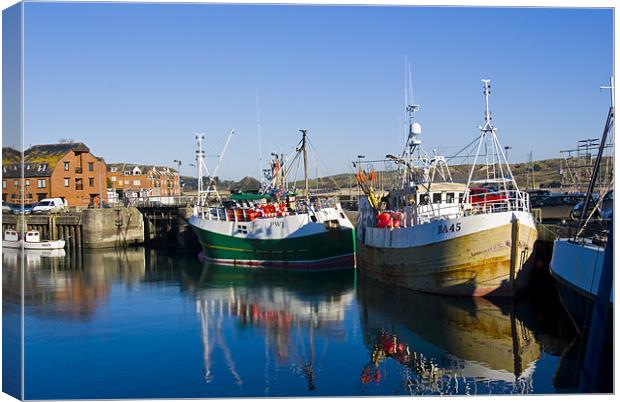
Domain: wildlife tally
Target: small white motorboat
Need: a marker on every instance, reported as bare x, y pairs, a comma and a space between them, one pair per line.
32, 241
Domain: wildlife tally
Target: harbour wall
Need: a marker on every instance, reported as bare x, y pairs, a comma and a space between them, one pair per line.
112, 227
89, 228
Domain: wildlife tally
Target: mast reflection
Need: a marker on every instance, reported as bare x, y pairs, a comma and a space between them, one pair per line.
445, 345
290, 309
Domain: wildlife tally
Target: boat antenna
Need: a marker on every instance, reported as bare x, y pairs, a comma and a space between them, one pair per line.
260, 153
303, 148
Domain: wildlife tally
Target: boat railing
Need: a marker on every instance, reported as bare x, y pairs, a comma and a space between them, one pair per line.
496, 201
248, 214
241, 214
434, 211
594, 232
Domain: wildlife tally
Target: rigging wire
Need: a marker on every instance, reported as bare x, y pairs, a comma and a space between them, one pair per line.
322, 162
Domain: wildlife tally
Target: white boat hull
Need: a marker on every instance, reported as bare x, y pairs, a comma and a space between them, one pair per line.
576, 268
44, 245
469, 255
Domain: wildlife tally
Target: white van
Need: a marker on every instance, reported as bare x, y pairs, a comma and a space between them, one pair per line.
49, 205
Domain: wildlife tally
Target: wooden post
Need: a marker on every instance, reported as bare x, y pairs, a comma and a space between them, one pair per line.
73, 235
78, 231
53, 229
514, 247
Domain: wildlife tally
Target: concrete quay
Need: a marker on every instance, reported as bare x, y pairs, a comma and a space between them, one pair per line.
89, 228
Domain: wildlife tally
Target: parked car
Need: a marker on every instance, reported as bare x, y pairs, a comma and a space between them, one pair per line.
49, 205
484, 195
17, 208
558, 207
96, 205
606, 206
539, 193
5, 207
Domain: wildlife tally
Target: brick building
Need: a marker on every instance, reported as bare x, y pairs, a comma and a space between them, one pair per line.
69, 171
131, 180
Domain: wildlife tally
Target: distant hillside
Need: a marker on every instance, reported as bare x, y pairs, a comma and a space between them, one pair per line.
546, 174
190, 183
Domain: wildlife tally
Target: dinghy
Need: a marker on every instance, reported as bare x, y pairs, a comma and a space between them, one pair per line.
32, 241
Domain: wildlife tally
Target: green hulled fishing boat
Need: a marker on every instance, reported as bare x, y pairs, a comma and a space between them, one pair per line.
273, 228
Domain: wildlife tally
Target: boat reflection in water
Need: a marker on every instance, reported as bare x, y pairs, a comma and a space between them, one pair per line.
140, 323
297, 314
445, 344
69, 285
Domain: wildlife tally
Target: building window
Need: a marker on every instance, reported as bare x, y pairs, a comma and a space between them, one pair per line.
66, 182
79, 184
136, 182
91, 182
3, 183
41, 183
15, 183
127, 182
67, 166
450, 197
27, 182
436, 198
127, 173
113, 178
112, 169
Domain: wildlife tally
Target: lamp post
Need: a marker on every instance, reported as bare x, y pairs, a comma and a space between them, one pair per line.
178, 162
192, 165
507, 148
100, 185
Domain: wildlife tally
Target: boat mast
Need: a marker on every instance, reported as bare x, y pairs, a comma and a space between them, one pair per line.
488, 133
212, 187
609, 124
414, 129
201, 168
304, 134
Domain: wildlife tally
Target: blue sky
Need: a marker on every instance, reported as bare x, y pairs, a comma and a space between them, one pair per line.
136, 81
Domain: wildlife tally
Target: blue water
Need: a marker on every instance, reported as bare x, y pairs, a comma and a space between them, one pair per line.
157, 324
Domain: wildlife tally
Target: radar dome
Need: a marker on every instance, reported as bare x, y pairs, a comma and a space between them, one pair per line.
416, 128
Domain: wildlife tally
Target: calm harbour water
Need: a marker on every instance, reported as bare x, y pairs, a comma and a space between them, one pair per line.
146, 323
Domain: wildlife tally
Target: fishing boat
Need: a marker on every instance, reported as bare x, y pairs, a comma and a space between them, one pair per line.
577, 263
442, 237
273, 228
31, 241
